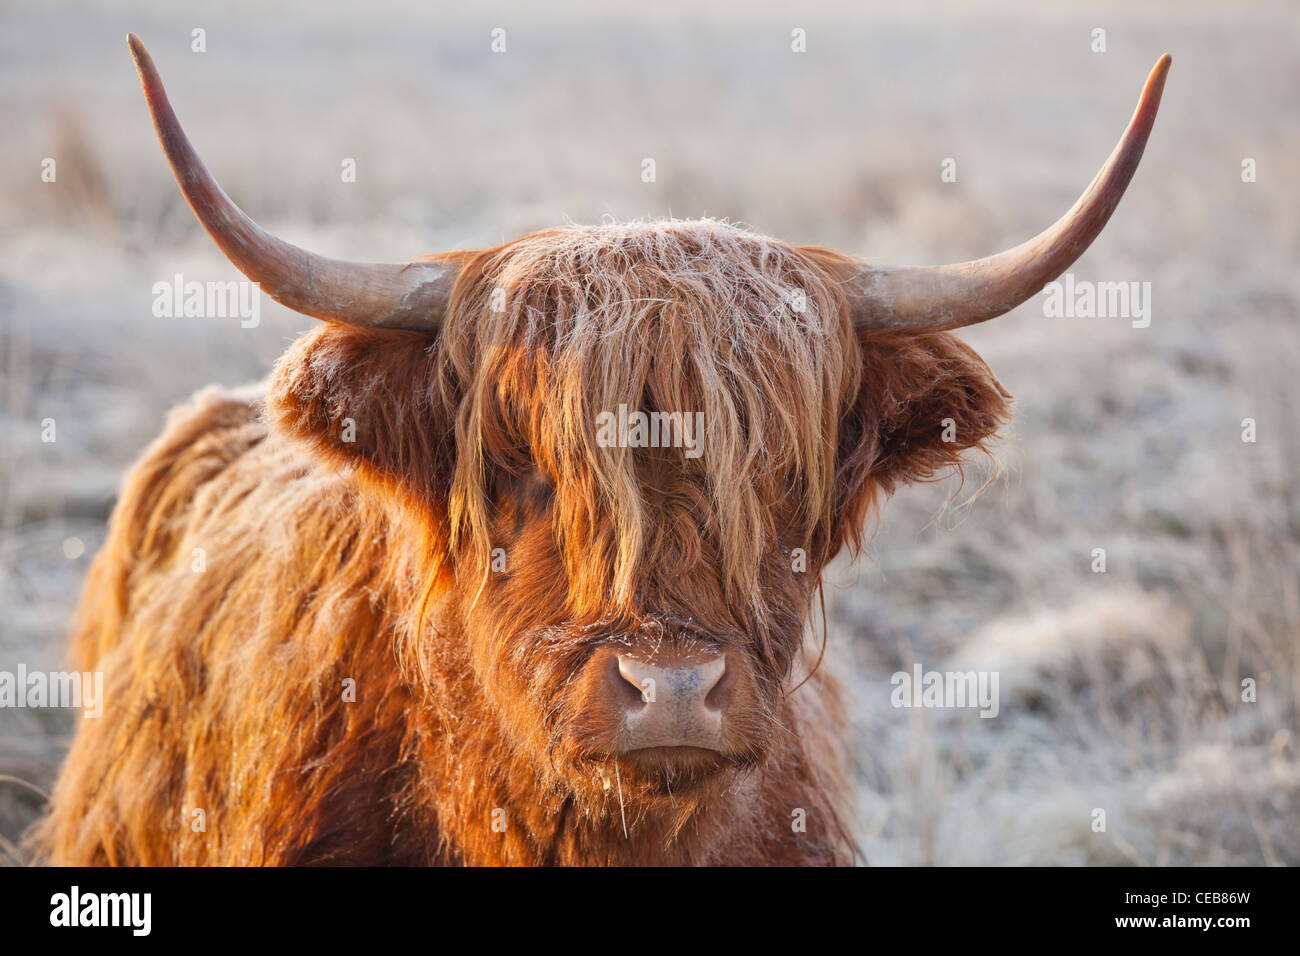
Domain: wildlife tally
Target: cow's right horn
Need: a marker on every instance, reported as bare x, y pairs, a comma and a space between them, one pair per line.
411, 295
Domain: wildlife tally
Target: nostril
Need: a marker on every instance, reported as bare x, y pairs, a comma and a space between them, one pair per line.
720, 691
634, 687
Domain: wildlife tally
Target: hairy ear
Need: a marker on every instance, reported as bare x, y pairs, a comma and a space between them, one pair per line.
368, 399
924, 400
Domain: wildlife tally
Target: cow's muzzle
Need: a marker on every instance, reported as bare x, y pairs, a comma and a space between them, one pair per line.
673, 702
664, 702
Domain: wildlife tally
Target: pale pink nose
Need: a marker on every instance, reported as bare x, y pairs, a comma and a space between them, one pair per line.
676, 704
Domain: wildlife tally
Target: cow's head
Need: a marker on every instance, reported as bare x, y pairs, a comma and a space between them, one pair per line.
634, 447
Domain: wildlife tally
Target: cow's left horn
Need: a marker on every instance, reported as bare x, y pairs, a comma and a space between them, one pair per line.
410, 295
951, 296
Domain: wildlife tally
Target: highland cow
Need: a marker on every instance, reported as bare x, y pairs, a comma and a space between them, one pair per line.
438, 622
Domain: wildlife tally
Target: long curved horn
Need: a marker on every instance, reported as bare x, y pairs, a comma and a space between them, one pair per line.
410, 295
951, 296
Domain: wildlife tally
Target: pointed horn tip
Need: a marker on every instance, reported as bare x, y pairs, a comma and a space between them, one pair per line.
143, 61
1145, 113
1156, 81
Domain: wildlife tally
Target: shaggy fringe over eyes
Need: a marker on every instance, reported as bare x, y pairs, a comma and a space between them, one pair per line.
675, 316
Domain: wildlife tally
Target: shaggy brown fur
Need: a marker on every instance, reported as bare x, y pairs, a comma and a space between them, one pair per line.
339, 525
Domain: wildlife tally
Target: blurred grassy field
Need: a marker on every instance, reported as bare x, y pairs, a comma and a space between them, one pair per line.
1120, 691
